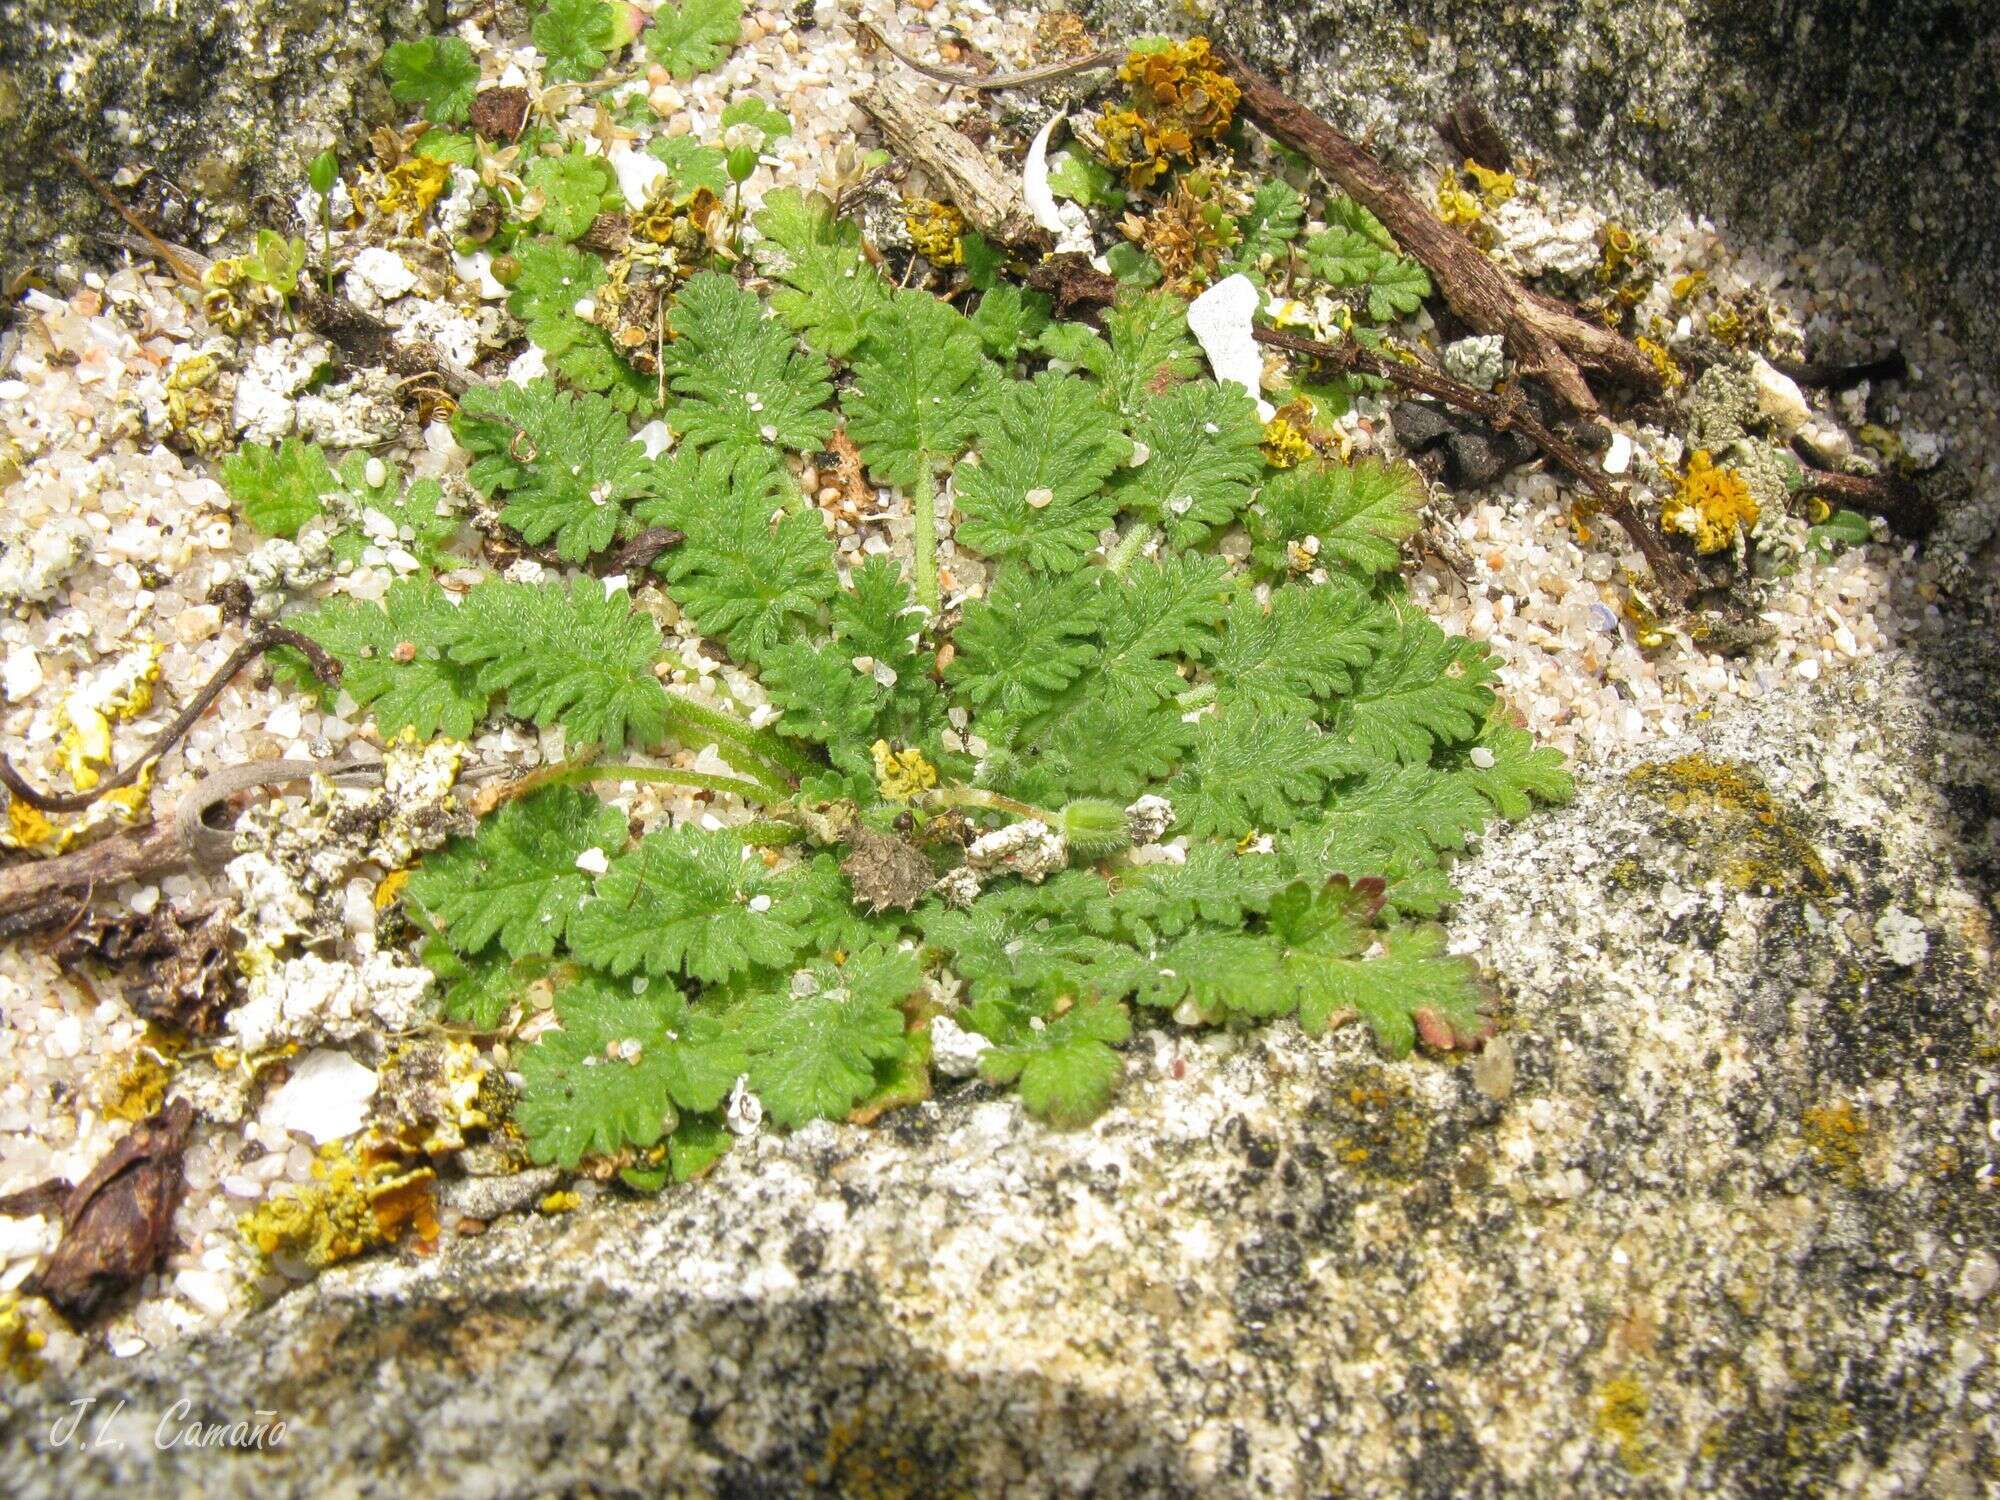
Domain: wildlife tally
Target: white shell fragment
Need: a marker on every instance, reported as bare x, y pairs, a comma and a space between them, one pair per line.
326, 1098
1779, 398
1065, 221
1219, 319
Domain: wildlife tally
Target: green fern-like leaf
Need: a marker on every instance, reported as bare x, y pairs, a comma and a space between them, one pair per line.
1256, 771
747, 386
1026, 641
279, 489
688, 900
438, 72
1203, 456
577, 36
517, 880
1302, 650
1066, 1070
830, 289
620, 1069
750, 568
919, 382
575, 656
1328, 934
694, 35
1037, 492
566, 464
1424, 688
818, 1047
1354, 515
574, 189
393, 660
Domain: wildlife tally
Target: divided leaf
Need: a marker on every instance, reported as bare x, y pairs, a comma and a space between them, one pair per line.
695, 35
567, 464
516, 881
1353, 514
1424, 688
1037, 491
747, 385
278, 488
750, 570
818, 1047
620, 1069
393, 661
574, 656
1203, 455
919, 387
688, 900
437, 73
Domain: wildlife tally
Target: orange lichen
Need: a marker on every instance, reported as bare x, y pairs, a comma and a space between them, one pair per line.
1180, 98
1709, 504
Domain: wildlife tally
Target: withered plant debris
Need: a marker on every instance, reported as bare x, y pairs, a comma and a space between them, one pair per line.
118, 1222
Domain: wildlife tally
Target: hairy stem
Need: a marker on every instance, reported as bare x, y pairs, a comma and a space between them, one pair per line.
923, 516
766, 757
1129, 547
976, 796
699, 781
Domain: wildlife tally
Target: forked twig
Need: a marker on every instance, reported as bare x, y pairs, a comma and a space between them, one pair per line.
1504, 409
323, 665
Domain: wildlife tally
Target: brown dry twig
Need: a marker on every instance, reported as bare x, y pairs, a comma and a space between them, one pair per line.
1108, 58
1548, 339
1504, 410
1907, 509
272, 636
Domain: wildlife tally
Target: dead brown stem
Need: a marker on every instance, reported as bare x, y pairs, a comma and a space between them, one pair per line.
1504, 409
324, 666
1550, 340
1906, 508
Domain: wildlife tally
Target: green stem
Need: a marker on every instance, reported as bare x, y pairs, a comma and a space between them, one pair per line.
923, 516
699, 781
780, 763
977, 796
768, 833
326, 236
1128, 547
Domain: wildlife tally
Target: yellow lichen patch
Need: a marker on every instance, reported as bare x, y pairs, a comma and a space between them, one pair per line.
563, 1202
390, 888
1733, 820
1687, 287
902, 774
1458, 206
355, 1203
1725, 326
1494, 187
1179, 99
1835, 1135
85, 717
194, 411
1622, 1409
21, 1343
1285, 446
1663, 361
29, 828
141, 1085
935, 231
412, 187
1709, 504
